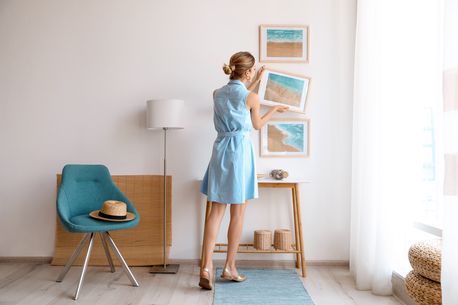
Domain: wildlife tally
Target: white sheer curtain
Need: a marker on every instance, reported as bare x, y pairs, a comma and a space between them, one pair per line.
449, 277
397, 63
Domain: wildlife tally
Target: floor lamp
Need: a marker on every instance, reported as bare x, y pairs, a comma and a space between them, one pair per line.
166, 115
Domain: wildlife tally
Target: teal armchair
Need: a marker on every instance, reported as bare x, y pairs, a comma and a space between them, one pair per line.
83, 189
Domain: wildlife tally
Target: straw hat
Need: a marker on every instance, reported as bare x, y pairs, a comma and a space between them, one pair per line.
113, 210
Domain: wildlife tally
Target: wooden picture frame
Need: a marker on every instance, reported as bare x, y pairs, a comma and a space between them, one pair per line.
285, 89
284, 43
285, 138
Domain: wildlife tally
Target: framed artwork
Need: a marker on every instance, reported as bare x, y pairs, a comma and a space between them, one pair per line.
285, 138
284, 43
286, 89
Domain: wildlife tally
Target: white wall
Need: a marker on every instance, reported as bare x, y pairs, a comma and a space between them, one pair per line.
74, 78
450, 34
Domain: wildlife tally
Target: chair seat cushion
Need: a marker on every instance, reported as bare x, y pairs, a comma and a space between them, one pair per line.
425, 259
85, 224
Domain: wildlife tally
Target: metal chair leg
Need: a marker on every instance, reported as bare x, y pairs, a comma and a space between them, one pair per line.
72, 258
121, 259
86, 261
107, 252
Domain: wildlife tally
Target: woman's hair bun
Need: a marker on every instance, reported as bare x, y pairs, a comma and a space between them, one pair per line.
238, 65
227, 69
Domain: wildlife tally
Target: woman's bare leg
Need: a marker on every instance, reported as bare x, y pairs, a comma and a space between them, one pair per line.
233, 235
212, 226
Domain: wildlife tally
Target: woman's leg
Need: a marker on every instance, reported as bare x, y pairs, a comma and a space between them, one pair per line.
211, 231
233, 235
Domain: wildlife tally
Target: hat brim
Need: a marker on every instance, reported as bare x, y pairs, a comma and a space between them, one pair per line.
95, 214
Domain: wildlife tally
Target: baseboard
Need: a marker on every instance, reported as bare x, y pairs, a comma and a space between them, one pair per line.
246, 263
26, 259
266, 263
399, 289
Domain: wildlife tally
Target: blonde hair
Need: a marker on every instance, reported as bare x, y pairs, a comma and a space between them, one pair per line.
238, 64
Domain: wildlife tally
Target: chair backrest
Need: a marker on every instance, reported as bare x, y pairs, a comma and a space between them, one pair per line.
84, 188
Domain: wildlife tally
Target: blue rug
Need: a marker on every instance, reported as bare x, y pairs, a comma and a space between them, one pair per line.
263, 287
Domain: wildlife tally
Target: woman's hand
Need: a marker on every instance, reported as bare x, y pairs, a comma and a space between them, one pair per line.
281, 108
260, 74
254, 106
257, 79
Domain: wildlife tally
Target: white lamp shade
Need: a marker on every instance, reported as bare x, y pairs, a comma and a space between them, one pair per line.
167, 113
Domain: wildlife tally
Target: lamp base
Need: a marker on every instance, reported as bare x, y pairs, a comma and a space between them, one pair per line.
169, 269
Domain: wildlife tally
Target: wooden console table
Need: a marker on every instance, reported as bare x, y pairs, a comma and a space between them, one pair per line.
297, 247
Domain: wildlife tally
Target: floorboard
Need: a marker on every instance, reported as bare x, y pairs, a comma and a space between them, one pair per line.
34, 283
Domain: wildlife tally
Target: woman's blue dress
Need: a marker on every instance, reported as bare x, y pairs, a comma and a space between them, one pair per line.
231, 173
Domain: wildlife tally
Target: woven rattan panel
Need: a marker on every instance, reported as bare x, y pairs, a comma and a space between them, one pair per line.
140, 246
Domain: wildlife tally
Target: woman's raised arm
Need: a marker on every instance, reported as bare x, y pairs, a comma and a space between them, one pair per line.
254, 106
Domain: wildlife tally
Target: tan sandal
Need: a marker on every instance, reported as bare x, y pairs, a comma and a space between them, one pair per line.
205, 280
226, 274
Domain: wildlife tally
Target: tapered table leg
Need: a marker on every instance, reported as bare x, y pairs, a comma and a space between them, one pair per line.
298, 209
296, 230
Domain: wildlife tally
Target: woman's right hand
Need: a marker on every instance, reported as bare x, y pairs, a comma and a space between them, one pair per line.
281, 108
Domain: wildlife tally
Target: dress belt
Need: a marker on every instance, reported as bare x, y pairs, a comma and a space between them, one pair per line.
233, 133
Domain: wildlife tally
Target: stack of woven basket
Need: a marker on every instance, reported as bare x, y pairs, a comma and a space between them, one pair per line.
423, 282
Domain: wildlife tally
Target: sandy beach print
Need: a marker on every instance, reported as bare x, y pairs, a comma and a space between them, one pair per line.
285, 137
285, 43
284, 89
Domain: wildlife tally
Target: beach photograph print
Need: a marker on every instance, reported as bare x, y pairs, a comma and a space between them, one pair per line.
285, 138
278, 88
283, 43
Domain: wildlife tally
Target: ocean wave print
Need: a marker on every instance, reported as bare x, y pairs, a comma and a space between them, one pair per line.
295, 134
275, 35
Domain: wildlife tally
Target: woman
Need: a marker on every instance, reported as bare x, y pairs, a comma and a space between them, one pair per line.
231, 173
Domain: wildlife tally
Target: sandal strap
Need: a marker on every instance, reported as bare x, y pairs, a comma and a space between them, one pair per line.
205, 270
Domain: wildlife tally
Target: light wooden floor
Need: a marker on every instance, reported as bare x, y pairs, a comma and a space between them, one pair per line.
29, 283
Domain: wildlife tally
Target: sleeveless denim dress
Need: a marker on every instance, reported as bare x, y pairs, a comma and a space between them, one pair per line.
231, 174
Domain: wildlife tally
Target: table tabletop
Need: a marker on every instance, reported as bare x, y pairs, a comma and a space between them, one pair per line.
286, 180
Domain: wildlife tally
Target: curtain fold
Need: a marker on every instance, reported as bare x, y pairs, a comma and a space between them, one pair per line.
397, 73
449, 277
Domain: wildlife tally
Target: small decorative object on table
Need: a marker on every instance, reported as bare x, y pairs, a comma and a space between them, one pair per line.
279, 174
283, 239
262, 239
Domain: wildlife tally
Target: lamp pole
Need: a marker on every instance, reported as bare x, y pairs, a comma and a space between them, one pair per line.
165, 268
165, 197
165, 115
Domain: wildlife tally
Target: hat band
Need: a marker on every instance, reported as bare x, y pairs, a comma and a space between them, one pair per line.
101, 214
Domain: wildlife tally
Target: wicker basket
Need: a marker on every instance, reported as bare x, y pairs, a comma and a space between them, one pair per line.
283, 239
424, 291
262, 239
425, 259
